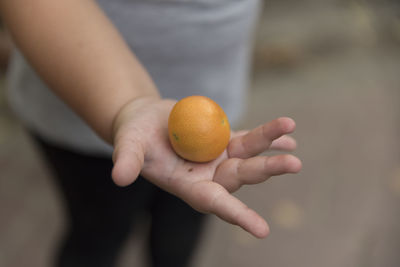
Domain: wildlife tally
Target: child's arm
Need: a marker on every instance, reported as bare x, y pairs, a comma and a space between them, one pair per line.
80, 55
77, 51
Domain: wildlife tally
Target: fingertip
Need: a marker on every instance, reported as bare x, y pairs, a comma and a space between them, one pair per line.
123, 176
294, 164
262, 230
285, 143
256, 225
128, 158
293, 143
288, 143
288, 124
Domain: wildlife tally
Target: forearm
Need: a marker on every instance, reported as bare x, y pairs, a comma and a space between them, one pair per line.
80, 55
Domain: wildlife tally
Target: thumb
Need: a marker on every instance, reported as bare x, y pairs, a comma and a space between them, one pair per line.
128, 157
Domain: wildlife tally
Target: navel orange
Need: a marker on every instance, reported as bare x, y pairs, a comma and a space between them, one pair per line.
198, 129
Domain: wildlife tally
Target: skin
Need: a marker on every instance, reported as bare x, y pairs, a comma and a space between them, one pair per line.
142, 146
82, 57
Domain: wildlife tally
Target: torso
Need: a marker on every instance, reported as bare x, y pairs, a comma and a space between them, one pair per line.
189, 47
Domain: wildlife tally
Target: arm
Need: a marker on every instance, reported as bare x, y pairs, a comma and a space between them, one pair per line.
80, 55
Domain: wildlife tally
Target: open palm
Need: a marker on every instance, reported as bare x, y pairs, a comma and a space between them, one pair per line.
142, 146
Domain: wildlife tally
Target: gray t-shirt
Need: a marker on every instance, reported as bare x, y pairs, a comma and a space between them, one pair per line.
189, 47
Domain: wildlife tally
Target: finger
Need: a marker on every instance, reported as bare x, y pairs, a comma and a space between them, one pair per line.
284, 143
128, 160
239, 133
211, 197
234, 173
259, 139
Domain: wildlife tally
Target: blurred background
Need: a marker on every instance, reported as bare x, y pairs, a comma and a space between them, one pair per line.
332, 65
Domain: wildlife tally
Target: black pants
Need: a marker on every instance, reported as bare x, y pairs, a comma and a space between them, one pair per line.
101, 214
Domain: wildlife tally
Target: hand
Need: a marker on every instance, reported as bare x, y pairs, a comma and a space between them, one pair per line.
142, 146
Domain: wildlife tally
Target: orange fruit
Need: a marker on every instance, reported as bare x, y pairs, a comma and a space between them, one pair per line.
198, 129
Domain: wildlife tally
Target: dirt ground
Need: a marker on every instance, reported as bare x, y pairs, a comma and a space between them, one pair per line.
333, 66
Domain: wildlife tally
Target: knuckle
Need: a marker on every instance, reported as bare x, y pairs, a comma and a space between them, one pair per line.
267, 164
238, 168
237, 147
